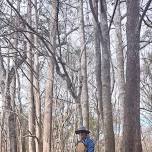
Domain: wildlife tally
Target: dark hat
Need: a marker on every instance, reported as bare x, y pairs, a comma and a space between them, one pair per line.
82, 129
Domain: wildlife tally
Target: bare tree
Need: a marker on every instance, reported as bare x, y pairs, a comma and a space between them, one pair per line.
31, 116
120, 75
98, 72
36, 87
131, 132
83, 61
47, 129
106, 83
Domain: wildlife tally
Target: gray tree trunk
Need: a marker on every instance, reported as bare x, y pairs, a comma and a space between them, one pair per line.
132, 133
83, 57
119, 55
36, 86
12, 118
106, 84
98, 76
47, 129
98, 61
8, 117
31, 114
120, 78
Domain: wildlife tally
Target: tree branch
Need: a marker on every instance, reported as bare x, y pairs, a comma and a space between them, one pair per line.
96, 19
147, 24
50, 49
146, 110
143, 14
33, 30
113, 14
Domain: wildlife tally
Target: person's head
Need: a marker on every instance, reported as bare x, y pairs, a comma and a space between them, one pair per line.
82, 135
82, 132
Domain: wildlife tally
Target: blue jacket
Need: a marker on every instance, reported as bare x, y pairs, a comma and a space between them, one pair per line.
89, 144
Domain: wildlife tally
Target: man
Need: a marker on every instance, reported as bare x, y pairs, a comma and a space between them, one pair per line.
86, 144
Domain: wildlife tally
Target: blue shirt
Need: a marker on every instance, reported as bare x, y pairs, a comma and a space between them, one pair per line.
89, 144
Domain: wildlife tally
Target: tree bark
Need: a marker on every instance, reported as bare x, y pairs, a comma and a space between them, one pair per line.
8, 117
132, 133
106, 81
36, 88
47, 132
83, 60
119, 55
31, 114
2, 91
98, 61
120, 63
98, 76
47, 129
12, 117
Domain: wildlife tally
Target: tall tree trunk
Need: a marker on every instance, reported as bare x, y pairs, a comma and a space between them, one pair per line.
132, 133
31, 116
18, 123
120, 61
119, 55
36, 86
2, 90
83, 57
47, 129
98, 75
47, 132
6, 113
19, 118
106, 84
98, 61
8, 123
12, 118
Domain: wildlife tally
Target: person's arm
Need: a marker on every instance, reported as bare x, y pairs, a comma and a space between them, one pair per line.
90, 146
